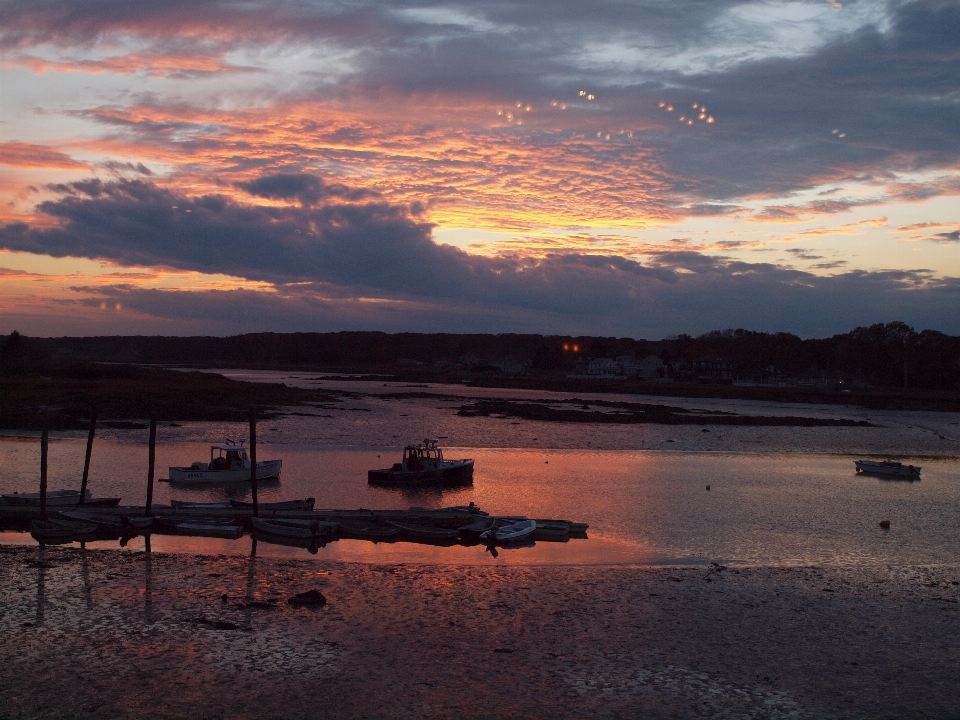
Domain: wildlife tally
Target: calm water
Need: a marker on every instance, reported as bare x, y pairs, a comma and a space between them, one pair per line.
777, 495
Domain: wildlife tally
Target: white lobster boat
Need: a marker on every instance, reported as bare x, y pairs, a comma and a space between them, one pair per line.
886, 467
228, 463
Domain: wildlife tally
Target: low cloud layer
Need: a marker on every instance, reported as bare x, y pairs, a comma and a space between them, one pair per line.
374, 265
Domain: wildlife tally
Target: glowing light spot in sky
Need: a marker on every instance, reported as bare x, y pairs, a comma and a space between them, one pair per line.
528, 108
662, 104
682, 118
591, 97
582, 93
669, 108
553, 103
695, 106
710, 119
689, 122
519, 104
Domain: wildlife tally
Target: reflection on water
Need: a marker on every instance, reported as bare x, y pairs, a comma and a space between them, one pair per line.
648, 505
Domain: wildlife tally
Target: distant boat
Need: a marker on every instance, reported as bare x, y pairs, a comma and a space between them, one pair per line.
228, 463
201, 529
887, 467
201, 505
423, 464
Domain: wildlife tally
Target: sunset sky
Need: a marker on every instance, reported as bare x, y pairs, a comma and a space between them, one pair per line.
635, 169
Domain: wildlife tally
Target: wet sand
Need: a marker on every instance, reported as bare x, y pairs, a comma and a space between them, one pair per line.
107, 634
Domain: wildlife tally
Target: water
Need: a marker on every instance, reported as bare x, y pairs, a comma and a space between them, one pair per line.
777, 495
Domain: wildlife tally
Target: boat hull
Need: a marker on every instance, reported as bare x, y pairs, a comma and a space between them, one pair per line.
880, 468
266, 470
454, 473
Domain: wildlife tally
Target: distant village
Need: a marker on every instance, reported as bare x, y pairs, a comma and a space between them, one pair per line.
653, 369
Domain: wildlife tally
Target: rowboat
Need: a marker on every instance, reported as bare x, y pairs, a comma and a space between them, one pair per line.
82, 532
306, 504
203, 505
886, 467
294, 528
50, 533
509, 533
54, 497
197, 529
423, 464
367, 531
425, 533
228, 463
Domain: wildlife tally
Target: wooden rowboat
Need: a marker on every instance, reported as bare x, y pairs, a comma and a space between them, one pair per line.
294, 528
511, 533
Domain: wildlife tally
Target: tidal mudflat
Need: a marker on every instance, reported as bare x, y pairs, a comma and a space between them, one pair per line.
102, 634
774, 593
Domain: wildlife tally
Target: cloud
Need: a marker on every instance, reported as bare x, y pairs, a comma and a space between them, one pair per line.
341, 260
947, 236
18, 154
308, 189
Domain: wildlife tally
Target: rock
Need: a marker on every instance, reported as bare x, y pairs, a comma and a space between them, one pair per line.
310, 597
708, 487
885, 524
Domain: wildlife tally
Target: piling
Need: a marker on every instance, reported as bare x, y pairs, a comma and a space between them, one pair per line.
253, 460
148, 510
86, 460
44, 441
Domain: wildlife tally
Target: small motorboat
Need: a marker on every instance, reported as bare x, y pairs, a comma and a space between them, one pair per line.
513, 532
228, 463
424, 464
886, 467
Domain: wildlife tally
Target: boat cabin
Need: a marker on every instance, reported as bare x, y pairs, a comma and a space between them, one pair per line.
425, 456
226, 457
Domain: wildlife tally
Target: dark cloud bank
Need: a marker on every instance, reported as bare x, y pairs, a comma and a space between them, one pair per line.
337, 245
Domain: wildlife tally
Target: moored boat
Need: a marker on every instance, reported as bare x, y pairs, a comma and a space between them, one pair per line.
294, 528
513, 532
201, 529
306, 504
50, 533
424, 464
228, 463
58, 498
425, 533
886, 467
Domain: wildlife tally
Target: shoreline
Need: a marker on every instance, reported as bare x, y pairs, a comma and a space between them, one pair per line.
91, 633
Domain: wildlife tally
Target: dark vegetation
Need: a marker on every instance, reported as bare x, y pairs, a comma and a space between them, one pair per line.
885, 356
37, 387
66, 379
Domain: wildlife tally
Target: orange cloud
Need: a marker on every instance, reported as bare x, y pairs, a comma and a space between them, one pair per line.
36, 156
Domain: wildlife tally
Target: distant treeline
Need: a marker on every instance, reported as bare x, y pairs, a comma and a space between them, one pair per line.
884, 355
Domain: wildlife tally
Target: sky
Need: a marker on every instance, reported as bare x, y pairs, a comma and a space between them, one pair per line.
634, 169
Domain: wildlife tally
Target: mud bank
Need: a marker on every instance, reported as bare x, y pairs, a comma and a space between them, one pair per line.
110, 634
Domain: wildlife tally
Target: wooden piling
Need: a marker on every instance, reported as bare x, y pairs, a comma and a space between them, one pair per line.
86, 460
44, 441
253, 459
148, 510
